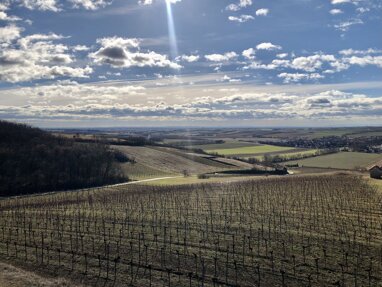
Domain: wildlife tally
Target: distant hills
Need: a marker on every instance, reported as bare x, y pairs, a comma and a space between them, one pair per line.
34, 161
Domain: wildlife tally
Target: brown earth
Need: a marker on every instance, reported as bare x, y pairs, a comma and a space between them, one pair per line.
11, 276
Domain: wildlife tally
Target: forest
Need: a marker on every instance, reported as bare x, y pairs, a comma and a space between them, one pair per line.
35, 161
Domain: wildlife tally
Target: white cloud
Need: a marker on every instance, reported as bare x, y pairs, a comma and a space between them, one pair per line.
36, 57
241, 18
336, 11
335, 2
275, 64
249, 53
145, 2
311, 63
369, 51
365, 61
9, 33
188, 58
124, 53
59, 5
297, 77
232, 7
225, 78
43, 5
90, 4
268, 46
346, 25
241, 4
221, 57
262, 12
80, 48
319, 63
150, 2
3, 14
282, 55
245, 3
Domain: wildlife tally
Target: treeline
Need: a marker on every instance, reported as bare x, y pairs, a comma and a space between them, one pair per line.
34, 161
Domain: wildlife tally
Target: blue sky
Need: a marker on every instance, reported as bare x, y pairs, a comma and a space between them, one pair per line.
78, 63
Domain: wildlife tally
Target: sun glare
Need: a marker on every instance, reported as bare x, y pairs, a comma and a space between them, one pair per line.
171, 30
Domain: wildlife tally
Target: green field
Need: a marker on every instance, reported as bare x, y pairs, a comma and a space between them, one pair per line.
250, 150
225, 145
288, 155
343, 160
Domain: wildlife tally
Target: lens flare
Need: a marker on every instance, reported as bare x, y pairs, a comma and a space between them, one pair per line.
171, 30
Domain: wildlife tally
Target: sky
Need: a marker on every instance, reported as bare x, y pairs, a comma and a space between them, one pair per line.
252, 63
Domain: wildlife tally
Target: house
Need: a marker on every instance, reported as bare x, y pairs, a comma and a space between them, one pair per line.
376, 170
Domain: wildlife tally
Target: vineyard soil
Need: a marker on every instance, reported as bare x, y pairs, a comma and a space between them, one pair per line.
291, 231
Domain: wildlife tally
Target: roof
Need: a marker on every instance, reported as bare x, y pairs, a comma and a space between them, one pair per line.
377, 164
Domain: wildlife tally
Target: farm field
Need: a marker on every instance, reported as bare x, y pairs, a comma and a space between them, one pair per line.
342, 160
250, 150
366, 134
377, 183
309, 152
287, 231
156, 162
226, 145
139, 171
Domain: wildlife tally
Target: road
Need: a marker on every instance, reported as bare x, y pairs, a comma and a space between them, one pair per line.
142, 181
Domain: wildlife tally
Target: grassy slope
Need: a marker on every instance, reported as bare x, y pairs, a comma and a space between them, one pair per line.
139, 171
166, 162
191, 156
343, 160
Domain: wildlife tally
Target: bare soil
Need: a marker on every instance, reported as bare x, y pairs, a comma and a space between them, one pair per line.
11, 276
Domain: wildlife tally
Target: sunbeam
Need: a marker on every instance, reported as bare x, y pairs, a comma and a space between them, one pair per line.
171, 31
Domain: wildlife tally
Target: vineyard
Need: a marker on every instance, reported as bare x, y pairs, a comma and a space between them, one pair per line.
296, 231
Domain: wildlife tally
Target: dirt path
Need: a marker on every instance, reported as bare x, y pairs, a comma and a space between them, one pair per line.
147, 180
11, 276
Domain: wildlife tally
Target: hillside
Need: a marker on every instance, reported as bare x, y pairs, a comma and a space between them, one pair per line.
159, 161
34, 161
